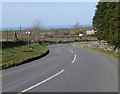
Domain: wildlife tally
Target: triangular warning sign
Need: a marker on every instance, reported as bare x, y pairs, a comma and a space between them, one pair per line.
28, 32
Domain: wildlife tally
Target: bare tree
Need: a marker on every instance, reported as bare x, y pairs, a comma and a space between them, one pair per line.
36, 23
76, 27
37, 29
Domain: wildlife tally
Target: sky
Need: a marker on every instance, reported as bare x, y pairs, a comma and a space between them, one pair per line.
48, 13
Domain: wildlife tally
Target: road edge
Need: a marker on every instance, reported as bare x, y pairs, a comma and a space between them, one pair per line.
29, 60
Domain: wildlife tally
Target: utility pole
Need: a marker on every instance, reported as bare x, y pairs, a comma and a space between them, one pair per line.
20, 32
7, 35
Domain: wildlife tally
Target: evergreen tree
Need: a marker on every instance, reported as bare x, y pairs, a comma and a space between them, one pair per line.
107, 22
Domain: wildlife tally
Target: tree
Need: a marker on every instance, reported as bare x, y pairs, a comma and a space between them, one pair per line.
76, 27
107, 22
36, 23
36, 29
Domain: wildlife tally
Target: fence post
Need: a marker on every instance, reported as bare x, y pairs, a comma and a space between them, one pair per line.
7, 35
15, 36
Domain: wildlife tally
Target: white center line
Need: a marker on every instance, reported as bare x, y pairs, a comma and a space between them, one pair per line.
42, 82
74, 59
70, 50
74, 56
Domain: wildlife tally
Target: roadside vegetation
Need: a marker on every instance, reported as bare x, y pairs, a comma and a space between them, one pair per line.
40, 34
18, 55
106, 22
95, 47
110, 53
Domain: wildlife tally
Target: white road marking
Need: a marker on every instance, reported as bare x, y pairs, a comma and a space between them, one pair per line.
70, 50
49, 77
42, 82
74, 56
74, 59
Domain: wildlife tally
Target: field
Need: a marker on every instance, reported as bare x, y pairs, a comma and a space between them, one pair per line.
35, 33
17, 55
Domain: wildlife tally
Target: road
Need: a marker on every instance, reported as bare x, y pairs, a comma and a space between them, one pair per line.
64, 69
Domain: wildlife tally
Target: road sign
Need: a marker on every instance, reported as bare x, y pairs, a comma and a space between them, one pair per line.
80, 35
28, 32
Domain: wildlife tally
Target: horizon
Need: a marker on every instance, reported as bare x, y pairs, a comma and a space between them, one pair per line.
43, 27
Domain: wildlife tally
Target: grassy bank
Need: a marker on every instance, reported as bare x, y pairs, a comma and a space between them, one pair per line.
111, 53
53, 43
17, 55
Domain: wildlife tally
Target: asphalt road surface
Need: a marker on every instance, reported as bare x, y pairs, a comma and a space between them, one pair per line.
64, 69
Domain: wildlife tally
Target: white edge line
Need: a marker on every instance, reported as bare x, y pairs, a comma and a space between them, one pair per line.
74, 59
70, 50
42, 82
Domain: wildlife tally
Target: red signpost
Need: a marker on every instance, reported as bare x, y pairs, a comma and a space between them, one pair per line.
28, 33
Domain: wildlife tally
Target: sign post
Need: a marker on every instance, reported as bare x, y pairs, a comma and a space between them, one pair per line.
28, 40
28, 33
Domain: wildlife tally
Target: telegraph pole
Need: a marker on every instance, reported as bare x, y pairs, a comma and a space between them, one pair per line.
7, 35
20, 32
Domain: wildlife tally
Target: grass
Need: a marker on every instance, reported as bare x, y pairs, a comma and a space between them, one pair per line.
20, 34
110, 53
82, 42
16, 55
46, 30
48, 43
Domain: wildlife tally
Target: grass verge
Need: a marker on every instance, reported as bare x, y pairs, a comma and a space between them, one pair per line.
110, 53
53, 43
15, 56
